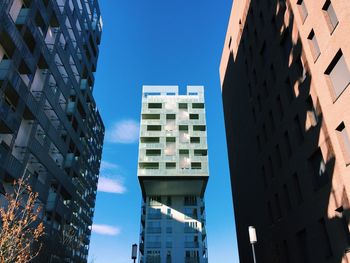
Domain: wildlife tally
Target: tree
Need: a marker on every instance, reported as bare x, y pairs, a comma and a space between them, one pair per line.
20, 228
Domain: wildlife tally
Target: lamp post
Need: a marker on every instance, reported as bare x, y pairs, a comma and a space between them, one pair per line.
134, 252
252, 239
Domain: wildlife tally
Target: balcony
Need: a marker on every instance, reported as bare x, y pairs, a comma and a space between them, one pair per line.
154, 230
154, 244
22, 17
191, 260
51, 201
9, 121
191, 244
154, 216
188, 229
5, 65
4, 151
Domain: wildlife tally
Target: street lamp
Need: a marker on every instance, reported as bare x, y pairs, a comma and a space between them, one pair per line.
252, 239
134, 252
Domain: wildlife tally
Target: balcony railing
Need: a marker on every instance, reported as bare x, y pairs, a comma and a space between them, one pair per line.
188, 229
191, 244
154, 230
154, 244
173, 172
154, 216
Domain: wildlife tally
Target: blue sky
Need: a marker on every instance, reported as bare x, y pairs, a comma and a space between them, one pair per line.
157, 42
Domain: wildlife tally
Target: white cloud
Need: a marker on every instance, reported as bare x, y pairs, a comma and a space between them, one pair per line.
126, 131
105, 230
110, 185
108, 166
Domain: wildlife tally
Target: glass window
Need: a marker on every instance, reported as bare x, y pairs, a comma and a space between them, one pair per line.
338, 74
302, 10
315, 49
330, 15
344, 140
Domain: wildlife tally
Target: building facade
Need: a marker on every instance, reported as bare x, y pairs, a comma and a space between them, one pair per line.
285, 88
173, 174
50, 129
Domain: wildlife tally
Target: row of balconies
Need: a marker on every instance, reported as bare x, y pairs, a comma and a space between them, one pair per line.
176, 111
178, 145
178, 99
173, 172
173, 133
173, 158
158, 244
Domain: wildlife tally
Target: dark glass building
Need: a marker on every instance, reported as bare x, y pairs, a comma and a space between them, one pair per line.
50, 128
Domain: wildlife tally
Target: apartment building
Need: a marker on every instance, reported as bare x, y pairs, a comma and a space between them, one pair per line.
50, 129
173, 174
285, 74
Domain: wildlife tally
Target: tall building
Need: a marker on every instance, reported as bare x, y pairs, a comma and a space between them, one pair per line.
50, 129
285, 88
173, 174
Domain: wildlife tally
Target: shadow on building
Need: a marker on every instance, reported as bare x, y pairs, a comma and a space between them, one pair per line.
282, 161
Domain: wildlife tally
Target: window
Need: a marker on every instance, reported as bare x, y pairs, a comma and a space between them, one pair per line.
198, 127
287, 143
264, 132
183, 128
318, 169
269, 212
149, 139
153, 256
325, 243
344, 217
315, 49
190, 213
194, 116
297, 188
272, 122
285, 248
170, 165
271, 167
196, 165
200, 152
303, 247
150, 152
190, 200
280, 106
154, 127
302, 10
197, 105
297, 129
263, 174
151, 166
195, 139
301, 69
150, 116
278, 206
344, 140
287, 197
154, 105
168, 203
278, 156
170, 117
338, 74
289, 90
330, 15
311, 113
182, 105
